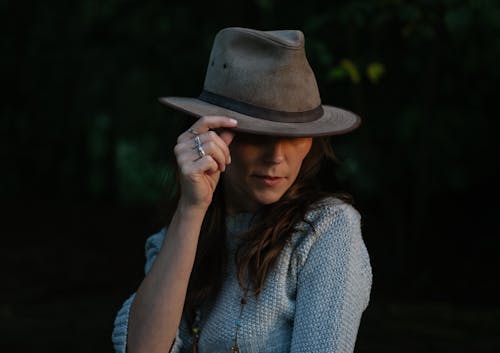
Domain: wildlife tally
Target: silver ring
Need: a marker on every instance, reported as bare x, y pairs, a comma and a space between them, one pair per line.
200, 150
197, 140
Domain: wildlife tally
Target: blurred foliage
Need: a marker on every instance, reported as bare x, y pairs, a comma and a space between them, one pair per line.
351, 69
80, 121
375, 71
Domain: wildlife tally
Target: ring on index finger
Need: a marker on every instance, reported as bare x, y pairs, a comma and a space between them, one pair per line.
193, 131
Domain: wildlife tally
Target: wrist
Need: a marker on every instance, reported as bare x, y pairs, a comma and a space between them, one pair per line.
186, 208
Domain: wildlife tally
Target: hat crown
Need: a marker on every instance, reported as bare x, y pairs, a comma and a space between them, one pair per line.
264, 81
267, 69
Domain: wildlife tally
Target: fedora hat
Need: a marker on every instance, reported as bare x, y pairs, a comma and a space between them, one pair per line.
264, 81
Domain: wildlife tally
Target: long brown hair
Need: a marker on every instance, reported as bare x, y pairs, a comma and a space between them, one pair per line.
261, 245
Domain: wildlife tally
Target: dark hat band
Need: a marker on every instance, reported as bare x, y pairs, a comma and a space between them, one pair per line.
259, 112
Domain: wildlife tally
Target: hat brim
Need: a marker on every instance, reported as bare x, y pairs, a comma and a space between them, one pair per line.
334, 121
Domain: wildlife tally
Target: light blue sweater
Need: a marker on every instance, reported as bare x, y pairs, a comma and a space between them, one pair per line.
312, 301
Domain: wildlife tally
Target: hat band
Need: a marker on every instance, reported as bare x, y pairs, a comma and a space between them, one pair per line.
259, 112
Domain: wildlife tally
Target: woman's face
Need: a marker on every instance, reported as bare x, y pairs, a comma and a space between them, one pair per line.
262, 169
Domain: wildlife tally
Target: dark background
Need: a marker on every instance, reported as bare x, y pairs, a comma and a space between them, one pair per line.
86, 156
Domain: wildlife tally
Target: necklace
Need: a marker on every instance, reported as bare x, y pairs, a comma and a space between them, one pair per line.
196, 328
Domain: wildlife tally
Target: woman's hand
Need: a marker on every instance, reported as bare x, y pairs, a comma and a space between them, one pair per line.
200, 174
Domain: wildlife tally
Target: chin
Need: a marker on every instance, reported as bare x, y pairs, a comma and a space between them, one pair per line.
268, 198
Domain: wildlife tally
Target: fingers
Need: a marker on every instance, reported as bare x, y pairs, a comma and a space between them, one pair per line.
211, 140
211, 144
202, 155
205, 124
202, 165
226, 136
219, 151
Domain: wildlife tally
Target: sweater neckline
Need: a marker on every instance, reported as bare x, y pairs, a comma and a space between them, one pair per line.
239, 220
237, 224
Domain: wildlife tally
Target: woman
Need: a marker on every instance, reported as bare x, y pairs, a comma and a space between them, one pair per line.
255, 258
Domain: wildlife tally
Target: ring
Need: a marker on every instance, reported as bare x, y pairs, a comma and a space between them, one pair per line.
197, 140
200, 150
193, 131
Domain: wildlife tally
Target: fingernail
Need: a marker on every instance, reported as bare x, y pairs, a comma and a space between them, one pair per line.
233, 121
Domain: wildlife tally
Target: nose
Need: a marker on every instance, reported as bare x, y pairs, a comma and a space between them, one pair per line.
274, 151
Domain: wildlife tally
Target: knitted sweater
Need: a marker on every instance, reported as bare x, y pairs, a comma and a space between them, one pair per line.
312, 300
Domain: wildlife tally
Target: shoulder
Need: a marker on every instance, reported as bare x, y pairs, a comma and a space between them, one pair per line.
154, 241
331, 249
332, 226
332, 212
152, 247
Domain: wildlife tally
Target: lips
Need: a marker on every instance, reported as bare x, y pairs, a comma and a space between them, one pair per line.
269, 180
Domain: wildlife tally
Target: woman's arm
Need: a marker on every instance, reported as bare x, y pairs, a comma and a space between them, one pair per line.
156, 308
120, 329
333, 286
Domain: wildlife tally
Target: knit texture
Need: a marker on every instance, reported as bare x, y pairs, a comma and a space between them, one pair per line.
312, 301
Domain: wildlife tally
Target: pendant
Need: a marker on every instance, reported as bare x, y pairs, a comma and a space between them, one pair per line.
235, 348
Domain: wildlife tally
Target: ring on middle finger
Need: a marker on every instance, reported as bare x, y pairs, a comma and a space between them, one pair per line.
197, 141
200, 150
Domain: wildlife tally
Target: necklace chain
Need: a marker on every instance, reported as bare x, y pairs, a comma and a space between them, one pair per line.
196, 328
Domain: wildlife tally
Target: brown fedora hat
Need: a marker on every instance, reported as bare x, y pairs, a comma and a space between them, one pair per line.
264, 81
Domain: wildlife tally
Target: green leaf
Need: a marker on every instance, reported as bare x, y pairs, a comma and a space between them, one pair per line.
375, 71
351, 69
336, 73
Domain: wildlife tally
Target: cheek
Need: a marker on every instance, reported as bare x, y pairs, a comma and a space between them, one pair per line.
301, 151
244, 155
241, 162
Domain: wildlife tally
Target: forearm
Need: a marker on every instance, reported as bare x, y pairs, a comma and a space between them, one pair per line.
157, 308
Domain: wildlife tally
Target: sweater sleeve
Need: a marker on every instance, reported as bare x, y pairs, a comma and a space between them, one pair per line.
120, 329
333, 285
